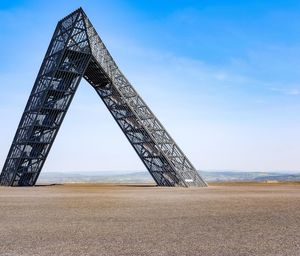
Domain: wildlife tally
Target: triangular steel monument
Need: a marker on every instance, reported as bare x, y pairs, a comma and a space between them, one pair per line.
77, 51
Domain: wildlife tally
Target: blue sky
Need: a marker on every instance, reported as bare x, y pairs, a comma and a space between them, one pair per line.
222, 76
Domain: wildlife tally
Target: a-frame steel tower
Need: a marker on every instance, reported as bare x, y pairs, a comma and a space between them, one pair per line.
77, 51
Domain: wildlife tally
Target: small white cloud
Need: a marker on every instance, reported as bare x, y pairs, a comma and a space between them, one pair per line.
293, 92
286, 91
221, 76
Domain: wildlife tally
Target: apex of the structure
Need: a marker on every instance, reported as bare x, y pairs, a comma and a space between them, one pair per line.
81, 10
74, 13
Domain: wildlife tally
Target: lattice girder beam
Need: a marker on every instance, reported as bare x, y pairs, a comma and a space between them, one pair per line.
60, 73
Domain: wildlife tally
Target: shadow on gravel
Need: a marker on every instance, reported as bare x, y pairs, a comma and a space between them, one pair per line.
48, 185
138, 185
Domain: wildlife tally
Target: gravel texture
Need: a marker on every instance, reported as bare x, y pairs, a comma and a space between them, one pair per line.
147, 220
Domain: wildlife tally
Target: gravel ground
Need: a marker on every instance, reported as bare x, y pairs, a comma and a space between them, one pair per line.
146, 220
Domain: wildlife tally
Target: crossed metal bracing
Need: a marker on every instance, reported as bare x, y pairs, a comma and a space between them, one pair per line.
77, 51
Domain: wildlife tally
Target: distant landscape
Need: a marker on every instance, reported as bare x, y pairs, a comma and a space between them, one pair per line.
144, 177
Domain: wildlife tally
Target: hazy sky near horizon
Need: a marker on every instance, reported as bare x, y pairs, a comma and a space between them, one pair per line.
222, 76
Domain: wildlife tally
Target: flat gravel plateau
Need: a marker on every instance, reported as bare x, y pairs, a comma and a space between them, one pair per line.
99, 219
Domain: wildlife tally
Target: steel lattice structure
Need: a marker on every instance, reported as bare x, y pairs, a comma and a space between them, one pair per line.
77, 51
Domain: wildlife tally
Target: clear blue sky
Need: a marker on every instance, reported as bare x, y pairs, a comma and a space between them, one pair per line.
222, 76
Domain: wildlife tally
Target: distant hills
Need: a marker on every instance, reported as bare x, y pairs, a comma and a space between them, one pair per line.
144, 177
92, 177
223, 176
